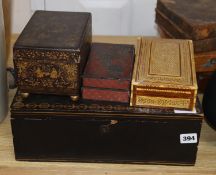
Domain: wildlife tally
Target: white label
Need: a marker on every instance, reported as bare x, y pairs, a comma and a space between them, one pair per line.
188, 138
185, 111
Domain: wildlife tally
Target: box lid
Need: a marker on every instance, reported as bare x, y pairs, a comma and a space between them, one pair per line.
196, 18
165, 63
109, 66
54, 30
52, 105
168, 28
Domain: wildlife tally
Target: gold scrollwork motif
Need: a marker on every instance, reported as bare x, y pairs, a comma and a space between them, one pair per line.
44, 105
164, 91
109, 107
83, 107
31, 105
160, 101
52, 55
40, 74
19, 103
94, 107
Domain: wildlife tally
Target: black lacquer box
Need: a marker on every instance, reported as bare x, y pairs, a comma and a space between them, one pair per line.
51, 52
53, 128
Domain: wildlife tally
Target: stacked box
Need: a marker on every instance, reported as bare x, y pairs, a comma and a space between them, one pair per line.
108, 73
195, 20
164, 74
51, 52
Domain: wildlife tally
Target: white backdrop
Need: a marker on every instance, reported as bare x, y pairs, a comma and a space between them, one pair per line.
110, 17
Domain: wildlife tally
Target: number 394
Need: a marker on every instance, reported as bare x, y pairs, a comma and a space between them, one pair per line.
188, 138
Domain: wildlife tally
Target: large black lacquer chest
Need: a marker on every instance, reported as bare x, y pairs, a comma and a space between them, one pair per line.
53, 128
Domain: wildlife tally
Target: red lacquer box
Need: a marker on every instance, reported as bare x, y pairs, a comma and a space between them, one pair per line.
108, 73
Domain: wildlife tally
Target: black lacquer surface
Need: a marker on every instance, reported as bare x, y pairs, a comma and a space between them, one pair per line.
209, 101
52, 128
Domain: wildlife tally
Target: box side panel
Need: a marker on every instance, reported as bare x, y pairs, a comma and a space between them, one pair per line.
205, 45
205, 62
47, 76
85, 45
105, 95
163, 97
106, 83
104, 140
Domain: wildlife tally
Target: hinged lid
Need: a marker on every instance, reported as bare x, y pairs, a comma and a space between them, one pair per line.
54, 30
165, 63
109, 66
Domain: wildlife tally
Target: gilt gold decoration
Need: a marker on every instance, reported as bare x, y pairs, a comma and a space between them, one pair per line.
48, 55
65, 106
25, 95
159, 101
51, 52
164, 74
47, 75
74, 98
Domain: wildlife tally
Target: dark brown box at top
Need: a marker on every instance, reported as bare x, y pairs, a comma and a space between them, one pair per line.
191, 16
51, 52
197, 21
53, 128
108, 72
189, 19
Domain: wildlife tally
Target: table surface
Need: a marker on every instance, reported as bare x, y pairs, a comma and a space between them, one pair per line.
205, 164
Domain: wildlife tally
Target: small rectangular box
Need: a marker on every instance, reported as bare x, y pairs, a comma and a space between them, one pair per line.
51, 52
108, 72
53, 128
164, 74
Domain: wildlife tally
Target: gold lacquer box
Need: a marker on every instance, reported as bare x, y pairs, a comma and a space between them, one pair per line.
164, 74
